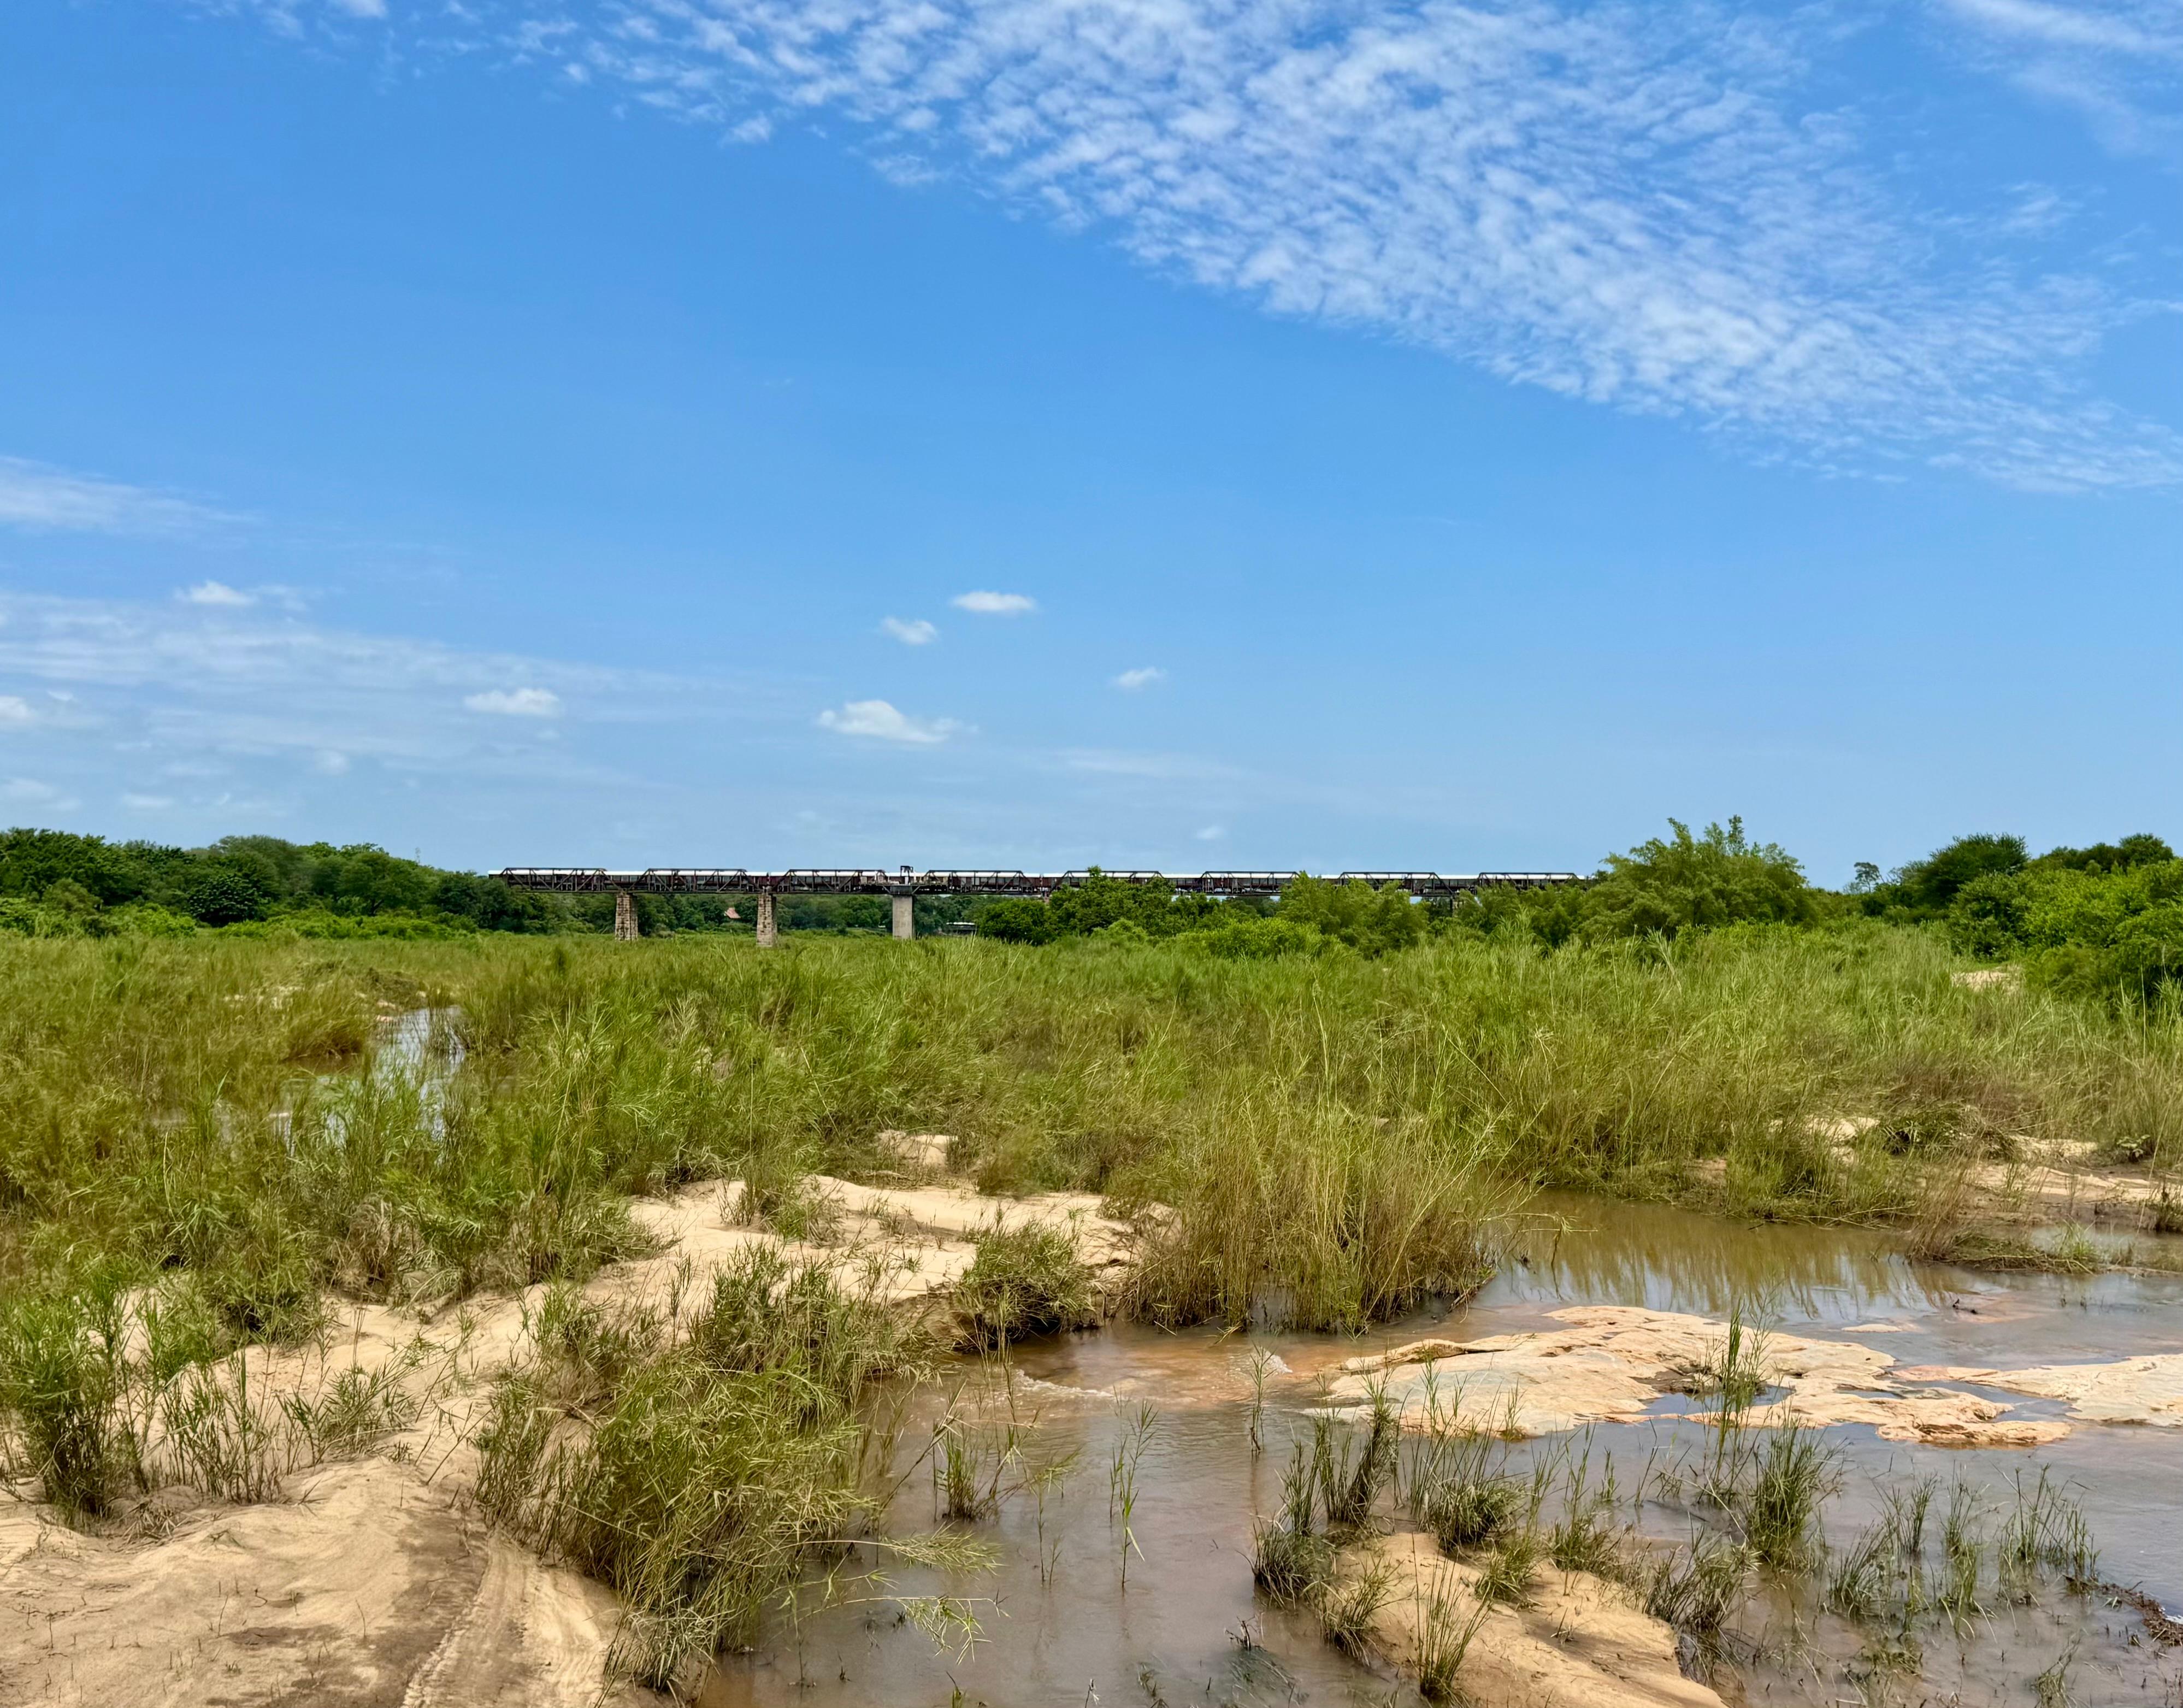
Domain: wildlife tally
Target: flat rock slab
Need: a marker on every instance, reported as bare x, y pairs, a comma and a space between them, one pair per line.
2146, 1390
1608, 1363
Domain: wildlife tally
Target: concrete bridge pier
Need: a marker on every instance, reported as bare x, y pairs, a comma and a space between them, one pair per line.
905, 914
769, 935
625, 916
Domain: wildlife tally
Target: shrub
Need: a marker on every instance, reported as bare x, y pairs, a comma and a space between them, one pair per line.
1025, 1281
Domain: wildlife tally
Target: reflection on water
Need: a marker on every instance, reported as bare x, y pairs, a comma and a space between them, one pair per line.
1592, 1251
1060, 1625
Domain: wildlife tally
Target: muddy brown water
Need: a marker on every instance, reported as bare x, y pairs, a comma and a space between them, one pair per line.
1060, 1623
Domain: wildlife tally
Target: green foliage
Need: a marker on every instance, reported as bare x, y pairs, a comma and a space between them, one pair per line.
85, 884
1686, 882
1371, 922
59, 1379
710, 1470
1927, 888
1026, 1280
2112, 932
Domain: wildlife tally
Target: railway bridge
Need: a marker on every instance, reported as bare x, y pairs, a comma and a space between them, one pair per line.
904, 885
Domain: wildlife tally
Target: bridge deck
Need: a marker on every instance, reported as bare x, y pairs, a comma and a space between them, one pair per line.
873, 881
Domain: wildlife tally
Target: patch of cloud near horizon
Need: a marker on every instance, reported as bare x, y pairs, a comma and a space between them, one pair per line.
1649, 207
174, 687
38, 495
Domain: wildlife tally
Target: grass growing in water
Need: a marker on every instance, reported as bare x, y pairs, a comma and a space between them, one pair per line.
715, 1470
1025, 1281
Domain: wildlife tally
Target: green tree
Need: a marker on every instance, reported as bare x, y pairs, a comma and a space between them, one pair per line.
222, 892
1372, 921
1688, 882
1927, 888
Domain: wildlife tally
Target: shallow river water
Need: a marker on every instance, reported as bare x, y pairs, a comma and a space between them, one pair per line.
1060, 1622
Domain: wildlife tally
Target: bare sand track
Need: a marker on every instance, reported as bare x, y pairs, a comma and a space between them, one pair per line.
373, 1582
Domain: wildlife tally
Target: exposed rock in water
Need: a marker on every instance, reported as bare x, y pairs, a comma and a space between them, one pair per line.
2129, 1390
1611, 1362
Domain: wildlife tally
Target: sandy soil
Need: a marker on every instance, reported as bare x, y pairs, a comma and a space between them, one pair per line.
374, 1582
1579, 1644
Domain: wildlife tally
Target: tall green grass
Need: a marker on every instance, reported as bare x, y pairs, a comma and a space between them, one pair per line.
1335, 1135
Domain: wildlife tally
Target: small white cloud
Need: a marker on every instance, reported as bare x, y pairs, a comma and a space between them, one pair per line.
14, 710
327, 763
1142, 677
214, 593
1211, 833
516, 703
148, 803
996, 604
881, 722
911, 631
61, 694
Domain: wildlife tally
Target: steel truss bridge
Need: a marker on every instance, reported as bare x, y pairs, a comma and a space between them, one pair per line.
904, 884
847, 881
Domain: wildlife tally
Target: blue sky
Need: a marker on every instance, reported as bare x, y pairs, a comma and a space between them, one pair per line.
1387, 435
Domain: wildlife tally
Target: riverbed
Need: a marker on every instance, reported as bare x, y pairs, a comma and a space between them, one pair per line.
1098, 1599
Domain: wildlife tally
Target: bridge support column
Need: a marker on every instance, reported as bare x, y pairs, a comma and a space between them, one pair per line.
905, 914
625, 916
769, 935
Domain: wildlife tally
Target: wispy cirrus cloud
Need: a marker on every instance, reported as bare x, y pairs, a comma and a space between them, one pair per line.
2116, 62
1141, 677
1663, 209
38, 495
911, 631
194, 690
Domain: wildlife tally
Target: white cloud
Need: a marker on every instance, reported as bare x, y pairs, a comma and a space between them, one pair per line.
1211, 833
14, 709
1142, 677
37, 495
210, 692
516, 703
329, 762
881, 722
911, 631
1663, 209
146, 804
2113, 61
214, 593
996, 604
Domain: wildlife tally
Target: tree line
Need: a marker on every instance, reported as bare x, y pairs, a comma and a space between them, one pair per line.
2106, 919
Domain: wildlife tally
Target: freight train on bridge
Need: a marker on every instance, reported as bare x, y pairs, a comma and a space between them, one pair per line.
904, 884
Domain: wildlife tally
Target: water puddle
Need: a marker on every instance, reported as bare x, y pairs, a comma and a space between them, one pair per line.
1124, 1538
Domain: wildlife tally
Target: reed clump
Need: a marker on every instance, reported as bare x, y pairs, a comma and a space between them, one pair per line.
1026, 1280
715, 1468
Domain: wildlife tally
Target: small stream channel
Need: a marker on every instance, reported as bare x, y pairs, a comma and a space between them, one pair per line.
1060, 1625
